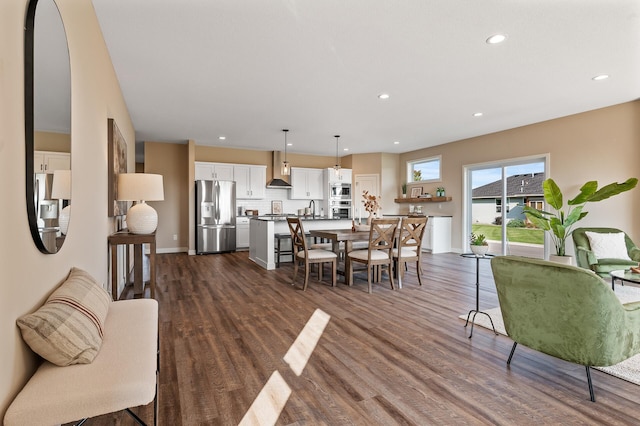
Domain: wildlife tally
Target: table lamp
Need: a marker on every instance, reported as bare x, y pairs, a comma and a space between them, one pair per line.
141, 187
61, 190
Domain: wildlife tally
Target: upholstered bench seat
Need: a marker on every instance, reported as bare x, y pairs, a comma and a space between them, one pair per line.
122, 375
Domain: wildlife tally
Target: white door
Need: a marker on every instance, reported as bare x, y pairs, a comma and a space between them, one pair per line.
365, 183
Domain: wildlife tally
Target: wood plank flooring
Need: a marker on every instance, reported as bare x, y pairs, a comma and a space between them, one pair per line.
392, 357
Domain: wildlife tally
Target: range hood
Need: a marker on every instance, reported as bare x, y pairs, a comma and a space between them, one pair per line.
276, 182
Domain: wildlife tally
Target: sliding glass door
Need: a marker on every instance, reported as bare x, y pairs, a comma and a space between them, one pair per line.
496, 194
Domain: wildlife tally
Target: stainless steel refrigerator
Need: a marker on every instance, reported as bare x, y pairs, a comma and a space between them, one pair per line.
215, 216
47, 210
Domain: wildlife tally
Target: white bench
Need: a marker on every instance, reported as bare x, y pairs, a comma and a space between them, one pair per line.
123, 374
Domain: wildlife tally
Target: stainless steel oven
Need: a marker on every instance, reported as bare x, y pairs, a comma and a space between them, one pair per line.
340, 191
340, 209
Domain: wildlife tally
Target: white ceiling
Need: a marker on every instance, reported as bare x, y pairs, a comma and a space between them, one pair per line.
246, 69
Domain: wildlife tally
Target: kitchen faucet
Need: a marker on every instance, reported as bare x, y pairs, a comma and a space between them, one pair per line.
313, 210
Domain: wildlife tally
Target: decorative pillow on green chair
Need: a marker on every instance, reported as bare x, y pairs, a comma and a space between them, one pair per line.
608, 245
68, 328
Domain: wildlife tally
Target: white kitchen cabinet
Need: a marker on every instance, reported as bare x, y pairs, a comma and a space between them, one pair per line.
251, 181
344, 176
307, 184
213, 171
47, 161
242, 232
437, 234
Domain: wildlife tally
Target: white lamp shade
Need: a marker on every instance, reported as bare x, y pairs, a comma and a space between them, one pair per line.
61, 188
140, 187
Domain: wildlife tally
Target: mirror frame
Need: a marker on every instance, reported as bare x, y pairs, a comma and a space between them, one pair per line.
29, 127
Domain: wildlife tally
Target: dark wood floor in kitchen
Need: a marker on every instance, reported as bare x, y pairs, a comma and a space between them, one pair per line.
392, 357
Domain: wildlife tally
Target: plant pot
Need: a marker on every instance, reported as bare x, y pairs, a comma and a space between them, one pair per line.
404, 195
565, 260
479, 250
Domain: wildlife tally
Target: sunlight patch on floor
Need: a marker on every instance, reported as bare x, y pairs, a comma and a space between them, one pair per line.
266, 408
268, 405
301, 350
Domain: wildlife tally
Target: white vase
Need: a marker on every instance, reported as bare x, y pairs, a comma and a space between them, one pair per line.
565, 260
479, 250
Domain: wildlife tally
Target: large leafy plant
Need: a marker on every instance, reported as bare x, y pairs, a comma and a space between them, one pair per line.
559, 223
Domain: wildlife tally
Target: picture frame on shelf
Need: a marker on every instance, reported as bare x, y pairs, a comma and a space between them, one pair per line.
416, 192
276, 207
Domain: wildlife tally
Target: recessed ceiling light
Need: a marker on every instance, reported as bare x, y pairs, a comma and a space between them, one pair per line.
396, 142
222, 138
478, 114
289, 144
496, 38
345, 149
383, 96
600, 77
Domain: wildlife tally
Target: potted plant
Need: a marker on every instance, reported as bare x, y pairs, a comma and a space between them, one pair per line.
559, 222
404, 190
479, 244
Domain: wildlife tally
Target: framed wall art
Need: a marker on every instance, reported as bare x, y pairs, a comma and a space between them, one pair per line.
276, 207
416, 191
117, 164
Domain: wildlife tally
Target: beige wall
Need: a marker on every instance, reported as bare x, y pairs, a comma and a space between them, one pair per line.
602, 145
172, 162
28, 276
49, 141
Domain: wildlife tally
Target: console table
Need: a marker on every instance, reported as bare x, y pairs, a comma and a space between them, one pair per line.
477, 310
137, 240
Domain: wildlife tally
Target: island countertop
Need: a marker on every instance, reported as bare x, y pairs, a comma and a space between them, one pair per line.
276, 218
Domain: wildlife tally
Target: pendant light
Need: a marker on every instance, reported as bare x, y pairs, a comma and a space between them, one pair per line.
336, 168
285, 170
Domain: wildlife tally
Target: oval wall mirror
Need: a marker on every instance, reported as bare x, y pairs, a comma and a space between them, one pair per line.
47, 125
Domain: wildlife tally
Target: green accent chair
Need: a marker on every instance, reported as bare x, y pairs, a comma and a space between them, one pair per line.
566, 312
586, 259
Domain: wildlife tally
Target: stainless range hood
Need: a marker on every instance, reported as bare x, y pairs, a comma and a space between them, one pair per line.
276, 182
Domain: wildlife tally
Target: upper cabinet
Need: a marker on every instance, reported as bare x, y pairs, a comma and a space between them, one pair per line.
344, 176
306, 184
213, 171
48, 162
251, 181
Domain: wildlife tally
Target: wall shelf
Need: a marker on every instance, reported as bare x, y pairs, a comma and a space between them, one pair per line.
423, 200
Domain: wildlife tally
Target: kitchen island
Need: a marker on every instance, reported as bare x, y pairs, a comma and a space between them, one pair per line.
262, 231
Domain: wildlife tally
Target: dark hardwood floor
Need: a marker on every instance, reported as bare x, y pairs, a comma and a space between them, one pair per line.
392, 357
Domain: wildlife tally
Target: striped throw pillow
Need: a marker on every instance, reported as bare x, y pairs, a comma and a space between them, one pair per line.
68, 328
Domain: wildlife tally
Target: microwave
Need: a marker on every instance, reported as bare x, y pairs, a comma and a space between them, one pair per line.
340, 191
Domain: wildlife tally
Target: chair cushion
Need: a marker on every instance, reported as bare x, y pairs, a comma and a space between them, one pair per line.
68, 328
364, 254
406, 252
318, 254
608, 245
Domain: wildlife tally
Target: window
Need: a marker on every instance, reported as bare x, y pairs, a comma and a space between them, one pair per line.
426, 169
498, 205
536, 204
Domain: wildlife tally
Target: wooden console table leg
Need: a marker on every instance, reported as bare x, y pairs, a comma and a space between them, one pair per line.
114, 272
138, 283
152, 269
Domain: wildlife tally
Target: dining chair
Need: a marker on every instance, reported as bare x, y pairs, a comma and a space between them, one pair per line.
378, 253
302, 253
409, 247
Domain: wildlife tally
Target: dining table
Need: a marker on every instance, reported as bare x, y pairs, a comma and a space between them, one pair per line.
336, 236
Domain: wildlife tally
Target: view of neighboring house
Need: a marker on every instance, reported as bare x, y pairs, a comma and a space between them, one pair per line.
522, 190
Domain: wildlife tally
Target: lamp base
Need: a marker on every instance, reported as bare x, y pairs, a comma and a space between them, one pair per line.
63, 220
142, 219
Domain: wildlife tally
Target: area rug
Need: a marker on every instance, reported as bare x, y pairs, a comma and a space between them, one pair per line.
628, 370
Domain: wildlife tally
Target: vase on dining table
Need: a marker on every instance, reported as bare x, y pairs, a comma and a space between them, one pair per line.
370, 219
